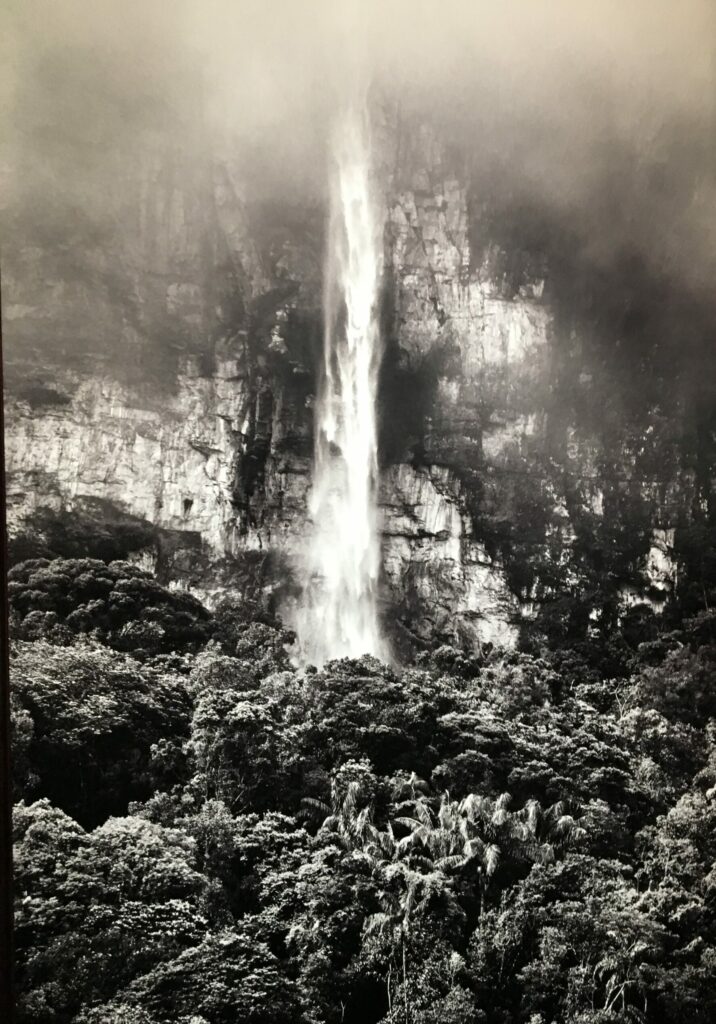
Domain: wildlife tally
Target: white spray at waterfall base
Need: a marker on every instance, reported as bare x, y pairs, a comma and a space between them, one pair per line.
338, 616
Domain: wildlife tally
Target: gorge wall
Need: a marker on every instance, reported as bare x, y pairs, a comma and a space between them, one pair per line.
160, 348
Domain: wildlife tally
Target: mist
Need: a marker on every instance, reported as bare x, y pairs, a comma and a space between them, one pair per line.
570, 99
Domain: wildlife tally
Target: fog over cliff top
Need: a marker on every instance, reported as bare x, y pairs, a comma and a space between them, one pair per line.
548, 378
601, 111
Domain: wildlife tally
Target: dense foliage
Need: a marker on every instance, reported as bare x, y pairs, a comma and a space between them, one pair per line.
205, 835
118, 603
97, 528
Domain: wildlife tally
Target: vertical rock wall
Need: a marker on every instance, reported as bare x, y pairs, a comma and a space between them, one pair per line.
161, 356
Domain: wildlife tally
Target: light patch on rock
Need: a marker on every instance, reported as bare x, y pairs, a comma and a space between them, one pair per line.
431, 558
145, 459
661, 566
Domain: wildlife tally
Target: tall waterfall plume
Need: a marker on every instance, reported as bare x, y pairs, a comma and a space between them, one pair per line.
339, 613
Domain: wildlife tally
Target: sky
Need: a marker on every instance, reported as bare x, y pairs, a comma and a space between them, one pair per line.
570, 104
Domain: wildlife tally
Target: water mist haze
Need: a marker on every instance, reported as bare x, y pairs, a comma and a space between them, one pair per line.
551, 99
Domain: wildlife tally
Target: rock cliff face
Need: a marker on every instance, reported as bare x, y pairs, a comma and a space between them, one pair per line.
161, 354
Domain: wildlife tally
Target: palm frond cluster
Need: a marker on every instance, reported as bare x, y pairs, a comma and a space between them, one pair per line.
422, 857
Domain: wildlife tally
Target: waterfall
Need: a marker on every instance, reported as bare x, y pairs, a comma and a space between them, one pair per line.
338, 615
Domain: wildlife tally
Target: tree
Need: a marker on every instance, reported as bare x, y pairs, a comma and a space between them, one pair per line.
118, 602
405, 895
91, 721
96, 909
227, 977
